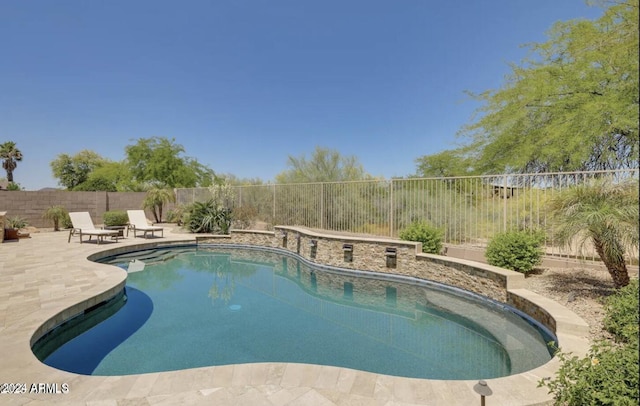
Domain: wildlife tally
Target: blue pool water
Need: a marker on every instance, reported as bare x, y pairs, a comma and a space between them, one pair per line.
195, 307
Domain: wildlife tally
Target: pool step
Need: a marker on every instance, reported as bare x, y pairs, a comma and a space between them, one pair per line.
148, 256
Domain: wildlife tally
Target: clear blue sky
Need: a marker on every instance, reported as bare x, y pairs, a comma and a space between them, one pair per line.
243, 84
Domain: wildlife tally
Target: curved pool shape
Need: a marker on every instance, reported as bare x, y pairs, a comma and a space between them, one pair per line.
202, 306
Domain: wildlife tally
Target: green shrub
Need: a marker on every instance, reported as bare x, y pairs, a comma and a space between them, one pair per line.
207, 217
430, 237
115, 218
609, 374
516, 250
621, 317
66, 222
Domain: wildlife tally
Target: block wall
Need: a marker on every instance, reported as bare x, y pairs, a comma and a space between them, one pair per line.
31, 205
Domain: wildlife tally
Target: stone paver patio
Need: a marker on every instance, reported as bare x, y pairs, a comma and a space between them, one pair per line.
44, 278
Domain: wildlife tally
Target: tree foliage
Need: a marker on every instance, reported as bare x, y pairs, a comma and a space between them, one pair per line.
110, 177
573, 105
10, 156
325, 165
151, 162
73, 170
444, 164
158, 161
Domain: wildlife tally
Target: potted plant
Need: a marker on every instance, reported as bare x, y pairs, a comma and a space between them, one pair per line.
13, 226
57, 214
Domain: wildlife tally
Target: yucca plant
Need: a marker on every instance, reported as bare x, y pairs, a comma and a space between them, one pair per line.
604, 213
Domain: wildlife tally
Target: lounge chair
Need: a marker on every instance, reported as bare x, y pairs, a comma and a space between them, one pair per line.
83, 225
138, 223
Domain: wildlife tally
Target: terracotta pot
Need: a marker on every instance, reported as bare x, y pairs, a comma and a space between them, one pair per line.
11, 233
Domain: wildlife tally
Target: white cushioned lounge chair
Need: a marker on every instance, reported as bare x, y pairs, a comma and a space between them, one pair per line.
138, 223
83, 225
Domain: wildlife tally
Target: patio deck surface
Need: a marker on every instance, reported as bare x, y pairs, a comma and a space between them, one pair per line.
44, 276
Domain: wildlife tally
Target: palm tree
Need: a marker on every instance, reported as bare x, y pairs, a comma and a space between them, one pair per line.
57, 214
604, 213
156, 198
10, 155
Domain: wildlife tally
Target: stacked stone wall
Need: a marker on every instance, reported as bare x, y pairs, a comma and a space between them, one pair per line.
370, 254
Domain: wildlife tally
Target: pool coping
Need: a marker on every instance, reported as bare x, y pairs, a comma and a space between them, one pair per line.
45, 280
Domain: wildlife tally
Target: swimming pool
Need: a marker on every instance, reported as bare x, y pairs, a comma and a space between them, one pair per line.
192, 307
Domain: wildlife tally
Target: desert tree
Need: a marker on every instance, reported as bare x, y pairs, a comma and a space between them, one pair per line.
325, 165
571, 105
160, 162
73, 170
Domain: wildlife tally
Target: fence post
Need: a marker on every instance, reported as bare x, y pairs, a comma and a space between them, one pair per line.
322, 213
391, 208
504, 204
273, 204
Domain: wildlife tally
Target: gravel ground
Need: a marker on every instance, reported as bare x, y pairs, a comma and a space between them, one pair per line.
582, 290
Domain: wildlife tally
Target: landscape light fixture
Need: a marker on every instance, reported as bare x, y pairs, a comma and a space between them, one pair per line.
482, 389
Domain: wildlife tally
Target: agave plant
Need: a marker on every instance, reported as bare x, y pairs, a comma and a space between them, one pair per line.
208, 217
16, 222
604, 213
